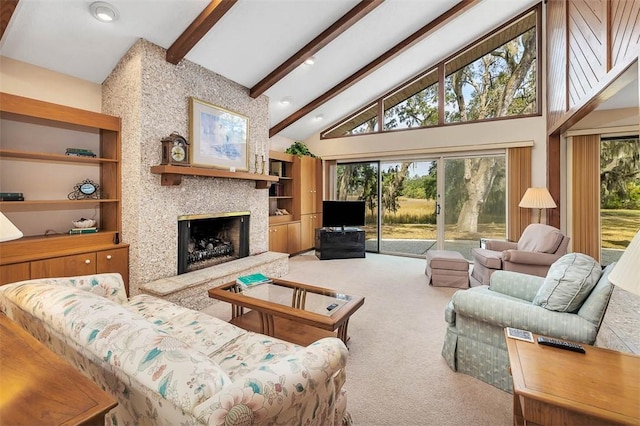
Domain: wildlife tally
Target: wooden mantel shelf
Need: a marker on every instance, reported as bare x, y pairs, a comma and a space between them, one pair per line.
172, 175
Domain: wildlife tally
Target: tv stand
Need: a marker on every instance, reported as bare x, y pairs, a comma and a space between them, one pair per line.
339, 243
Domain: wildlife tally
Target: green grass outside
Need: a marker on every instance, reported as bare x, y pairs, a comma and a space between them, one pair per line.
618, 226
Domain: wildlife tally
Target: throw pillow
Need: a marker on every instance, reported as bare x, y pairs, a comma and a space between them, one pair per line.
568, 283
540, 238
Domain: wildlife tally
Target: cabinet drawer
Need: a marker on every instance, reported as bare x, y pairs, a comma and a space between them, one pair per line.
13, 273
65, 266
116, 260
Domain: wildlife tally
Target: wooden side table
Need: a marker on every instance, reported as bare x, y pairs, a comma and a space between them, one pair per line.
39, 387
554, 386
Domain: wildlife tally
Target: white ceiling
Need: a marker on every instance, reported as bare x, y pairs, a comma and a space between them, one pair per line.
253, 39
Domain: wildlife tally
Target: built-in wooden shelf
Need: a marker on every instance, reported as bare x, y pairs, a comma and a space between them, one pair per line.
172, 175
11, 153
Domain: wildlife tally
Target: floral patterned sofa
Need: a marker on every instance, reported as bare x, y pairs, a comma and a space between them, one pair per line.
169, 365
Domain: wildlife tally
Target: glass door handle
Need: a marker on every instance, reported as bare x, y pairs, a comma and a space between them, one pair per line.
437, 208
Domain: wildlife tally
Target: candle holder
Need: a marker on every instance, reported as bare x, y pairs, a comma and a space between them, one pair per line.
255, 166
265, 170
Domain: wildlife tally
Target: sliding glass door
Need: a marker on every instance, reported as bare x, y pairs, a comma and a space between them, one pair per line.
474, 204
359, 181
409, 207
414, 206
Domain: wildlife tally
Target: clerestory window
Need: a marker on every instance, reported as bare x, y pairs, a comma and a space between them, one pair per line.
494, 77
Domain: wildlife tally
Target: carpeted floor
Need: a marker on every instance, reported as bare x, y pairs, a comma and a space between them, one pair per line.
395, 374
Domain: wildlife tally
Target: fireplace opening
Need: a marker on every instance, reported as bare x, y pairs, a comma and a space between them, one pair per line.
211, 239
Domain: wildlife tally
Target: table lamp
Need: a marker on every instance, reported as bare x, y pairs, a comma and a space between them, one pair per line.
626, 272
8, 230
537, 198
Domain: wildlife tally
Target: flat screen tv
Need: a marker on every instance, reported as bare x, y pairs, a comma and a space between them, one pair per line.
342, 214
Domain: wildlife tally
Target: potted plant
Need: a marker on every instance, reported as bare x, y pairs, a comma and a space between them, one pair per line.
300, 149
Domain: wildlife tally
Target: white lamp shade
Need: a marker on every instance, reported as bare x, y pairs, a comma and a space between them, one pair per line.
626, 273
537, 198
8, 230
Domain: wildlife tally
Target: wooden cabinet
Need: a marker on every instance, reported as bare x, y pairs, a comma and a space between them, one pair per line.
35, 138
14, 272
86, 263
285, 238
309, 224
298, 194
65, 266
310, 188
278, 238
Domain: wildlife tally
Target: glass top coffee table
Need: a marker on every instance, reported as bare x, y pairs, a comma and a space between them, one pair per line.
291, 311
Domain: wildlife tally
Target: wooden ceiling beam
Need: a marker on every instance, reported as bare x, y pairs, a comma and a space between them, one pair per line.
7, 7
358, 12
198, 29
405, 44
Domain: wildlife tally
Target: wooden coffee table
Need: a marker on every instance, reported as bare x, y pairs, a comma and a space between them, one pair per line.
288, 310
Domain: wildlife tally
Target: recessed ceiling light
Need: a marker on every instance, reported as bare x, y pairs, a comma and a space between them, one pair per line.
103, 11
319, 117
311, 60
286, 100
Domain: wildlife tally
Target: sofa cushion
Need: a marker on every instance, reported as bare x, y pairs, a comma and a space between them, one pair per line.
204, 332
540, 238
568, 283
594, 307
489, 258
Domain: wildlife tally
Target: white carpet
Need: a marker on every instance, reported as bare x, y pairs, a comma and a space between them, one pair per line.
395, 374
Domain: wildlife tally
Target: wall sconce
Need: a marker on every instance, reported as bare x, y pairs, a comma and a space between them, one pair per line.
537, 198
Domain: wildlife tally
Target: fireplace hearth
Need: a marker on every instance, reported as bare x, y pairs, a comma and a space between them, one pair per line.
207, 240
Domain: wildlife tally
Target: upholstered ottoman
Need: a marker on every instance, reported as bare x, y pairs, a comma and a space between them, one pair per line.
447, 268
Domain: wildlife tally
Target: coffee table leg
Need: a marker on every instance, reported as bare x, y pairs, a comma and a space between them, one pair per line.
266, 324
342, 331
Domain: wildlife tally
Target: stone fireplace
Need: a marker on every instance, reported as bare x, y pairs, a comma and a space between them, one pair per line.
152, 96
206, 240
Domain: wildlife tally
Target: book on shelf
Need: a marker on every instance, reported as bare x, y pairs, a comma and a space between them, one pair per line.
252, 279
90, 230
11, 196
79, 152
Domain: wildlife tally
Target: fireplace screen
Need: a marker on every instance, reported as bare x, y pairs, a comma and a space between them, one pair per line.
212, 239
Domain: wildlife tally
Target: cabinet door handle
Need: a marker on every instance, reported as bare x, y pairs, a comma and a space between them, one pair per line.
88, 261
108, 257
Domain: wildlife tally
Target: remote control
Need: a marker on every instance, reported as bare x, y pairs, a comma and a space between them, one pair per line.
332, 306
548, 341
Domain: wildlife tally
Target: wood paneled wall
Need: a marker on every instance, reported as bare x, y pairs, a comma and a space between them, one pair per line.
591, 45
585, 40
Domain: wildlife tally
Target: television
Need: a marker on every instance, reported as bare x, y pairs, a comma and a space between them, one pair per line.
341, 214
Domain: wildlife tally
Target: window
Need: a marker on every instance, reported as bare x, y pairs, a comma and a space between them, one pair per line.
486, 81
414, 105
494, 77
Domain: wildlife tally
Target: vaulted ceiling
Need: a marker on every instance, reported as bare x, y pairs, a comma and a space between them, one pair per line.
361, 49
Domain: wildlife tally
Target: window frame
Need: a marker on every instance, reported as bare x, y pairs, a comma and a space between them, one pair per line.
440, 69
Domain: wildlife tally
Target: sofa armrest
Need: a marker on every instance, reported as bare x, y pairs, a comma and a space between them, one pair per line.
529, 257
301, 388
503, 311
500, 245
515, 284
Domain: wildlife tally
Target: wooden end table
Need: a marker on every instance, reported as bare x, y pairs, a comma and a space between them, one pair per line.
288, 310
554, 386
39, 387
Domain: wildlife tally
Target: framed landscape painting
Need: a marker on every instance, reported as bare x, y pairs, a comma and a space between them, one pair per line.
218, 137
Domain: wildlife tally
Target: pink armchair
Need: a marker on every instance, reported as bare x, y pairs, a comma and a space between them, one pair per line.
539, 246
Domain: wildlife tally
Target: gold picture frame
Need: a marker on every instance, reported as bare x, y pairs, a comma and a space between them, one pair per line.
218, 137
